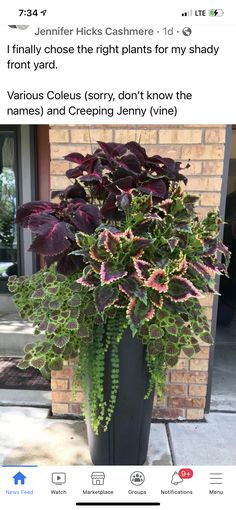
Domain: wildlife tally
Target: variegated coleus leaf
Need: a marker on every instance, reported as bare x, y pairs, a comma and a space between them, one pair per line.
142, 268
138, 245
156, 298
223, 249
172, 242
181, 289
98, 253
203, 269
164, 206
138, 312
131, 288
88, 279
108, 274
158, 280
111, 242
104, 297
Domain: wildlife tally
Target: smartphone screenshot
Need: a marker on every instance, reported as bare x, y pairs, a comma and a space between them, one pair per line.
117, 255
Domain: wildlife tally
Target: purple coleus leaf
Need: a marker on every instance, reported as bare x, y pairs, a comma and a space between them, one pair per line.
94, 177
155, 186
75, 157
157, 280
74, 173
131, 288
26, 211
181, 289
112, 149
104, 297
138, 151
109, 209
124, 200
75, 191
130, 162
109, 274
86, 217
54, 236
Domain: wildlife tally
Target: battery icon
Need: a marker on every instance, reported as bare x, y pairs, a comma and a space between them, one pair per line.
216, 12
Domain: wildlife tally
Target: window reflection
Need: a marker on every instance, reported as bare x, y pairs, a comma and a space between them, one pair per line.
8, 193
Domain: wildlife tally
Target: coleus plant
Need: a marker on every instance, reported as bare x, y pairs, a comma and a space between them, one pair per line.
124, 249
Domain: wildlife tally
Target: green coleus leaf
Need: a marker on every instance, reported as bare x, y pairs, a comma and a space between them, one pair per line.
38, 363
206, 337
72, 325
104, 297
172, 349
52, 290
50, 279
75, 301
23, 364
172, 330
172, 360
154, 348
55, 364
51, 328
83, 330
155, 331
61, 341
132, 288
29, 347
181, 289
55, 305
38, 294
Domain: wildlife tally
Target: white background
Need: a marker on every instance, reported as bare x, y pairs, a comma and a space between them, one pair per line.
209, 78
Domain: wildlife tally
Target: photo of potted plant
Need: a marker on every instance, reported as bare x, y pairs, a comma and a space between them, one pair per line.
126, 262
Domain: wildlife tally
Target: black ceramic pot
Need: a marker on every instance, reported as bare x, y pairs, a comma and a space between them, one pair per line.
126, 441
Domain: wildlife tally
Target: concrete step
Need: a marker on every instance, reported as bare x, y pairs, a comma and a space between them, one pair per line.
28, 398
14, 335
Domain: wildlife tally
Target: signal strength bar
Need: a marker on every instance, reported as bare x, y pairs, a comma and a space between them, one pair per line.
187, 13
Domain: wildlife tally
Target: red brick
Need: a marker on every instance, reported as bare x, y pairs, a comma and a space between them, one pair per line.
169, 414
186, 402
189, 377
176, 389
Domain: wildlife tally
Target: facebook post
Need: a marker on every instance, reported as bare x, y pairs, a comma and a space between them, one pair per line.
117, 249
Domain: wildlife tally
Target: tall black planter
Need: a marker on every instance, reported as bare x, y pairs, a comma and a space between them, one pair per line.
126, 441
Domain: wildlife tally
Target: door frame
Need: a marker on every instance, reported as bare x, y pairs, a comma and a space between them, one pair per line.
216, 297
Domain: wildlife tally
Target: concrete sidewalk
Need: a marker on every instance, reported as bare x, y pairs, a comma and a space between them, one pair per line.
29, 436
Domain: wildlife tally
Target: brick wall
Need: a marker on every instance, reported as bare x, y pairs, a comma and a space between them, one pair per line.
205, 147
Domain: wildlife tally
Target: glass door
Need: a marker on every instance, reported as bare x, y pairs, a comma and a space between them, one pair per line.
9, 244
